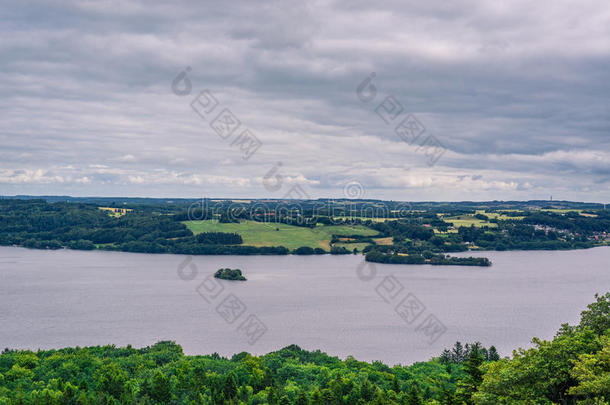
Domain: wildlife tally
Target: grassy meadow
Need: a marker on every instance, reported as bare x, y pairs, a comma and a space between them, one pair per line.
273, 234
468, 220
498, 216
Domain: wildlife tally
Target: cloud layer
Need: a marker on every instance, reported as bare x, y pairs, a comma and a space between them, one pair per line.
517, 94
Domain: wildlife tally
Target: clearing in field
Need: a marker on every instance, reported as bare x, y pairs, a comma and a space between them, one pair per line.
273, 234
451, 230
115, 212
384, 241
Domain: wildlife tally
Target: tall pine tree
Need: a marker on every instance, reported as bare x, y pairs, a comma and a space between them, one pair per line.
468, 385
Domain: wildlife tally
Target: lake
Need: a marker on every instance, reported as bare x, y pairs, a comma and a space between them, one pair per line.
339, 304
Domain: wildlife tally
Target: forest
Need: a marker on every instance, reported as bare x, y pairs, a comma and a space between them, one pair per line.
397, 233
572, 368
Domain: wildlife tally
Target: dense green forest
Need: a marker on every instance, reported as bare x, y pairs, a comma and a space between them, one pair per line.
376, 255
572, 368
402, 234
43, 225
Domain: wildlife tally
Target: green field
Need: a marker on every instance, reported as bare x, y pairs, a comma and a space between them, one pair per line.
498, 216
351, 246
468, 220
273, 234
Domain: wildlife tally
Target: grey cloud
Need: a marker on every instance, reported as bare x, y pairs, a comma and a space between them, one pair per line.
517, 92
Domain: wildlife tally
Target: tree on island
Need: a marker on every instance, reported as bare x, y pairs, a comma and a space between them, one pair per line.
229, 274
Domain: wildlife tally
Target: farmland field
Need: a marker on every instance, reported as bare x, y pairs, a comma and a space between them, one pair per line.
352, 246
467, 220
275, 234
501, 217
384, 241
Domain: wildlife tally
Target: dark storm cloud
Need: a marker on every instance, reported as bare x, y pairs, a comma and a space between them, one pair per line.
517, 93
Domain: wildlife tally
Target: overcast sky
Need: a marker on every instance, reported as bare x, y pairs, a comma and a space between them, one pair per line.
513, 97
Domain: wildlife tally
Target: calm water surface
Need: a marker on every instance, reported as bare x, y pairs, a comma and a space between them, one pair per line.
52, 299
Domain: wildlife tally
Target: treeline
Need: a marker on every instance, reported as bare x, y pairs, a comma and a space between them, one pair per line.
219, 238
427, 258
403, 230
416, 239
519, 236
572, 368
190, 248
537, 231
460, 353
294, 217
334, 250
599, 221
162, 374
41, 225
146, 229
336, 204
299, 213
36, 223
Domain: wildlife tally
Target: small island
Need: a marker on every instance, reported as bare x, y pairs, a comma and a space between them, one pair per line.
230, 274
